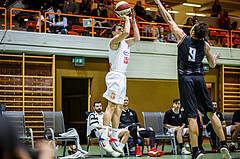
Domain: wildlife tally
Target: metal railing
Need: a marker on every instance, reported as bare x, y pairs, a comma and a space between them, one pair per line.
81, 16
229, 42
24, 10
5, 17
233, 35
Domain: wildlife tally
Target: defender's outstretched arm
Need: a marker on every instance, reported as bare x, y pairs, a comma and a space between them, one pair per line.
168, 18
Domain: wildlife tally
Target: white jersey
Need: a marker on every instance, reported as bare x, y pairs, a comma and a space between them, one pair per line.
118, 59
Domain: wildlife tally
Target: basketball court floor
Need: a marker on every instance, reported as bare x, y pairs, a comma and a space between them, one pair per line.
94, 152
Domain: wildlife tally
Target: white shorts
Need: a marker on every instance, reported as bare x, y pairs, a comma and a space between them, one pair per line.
99, 132
116, 87
228, 130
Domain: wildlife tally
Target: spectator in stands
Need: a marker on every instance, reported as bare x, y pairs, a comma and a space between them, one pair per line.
161, 37
59, 22
234, 25
85, 7
149, 31
224, 21
130, 121
195, 21
95, 123
70, 7
188, 23
171, 38
101, 12
140, 11
216, 8
175, 122
42, 21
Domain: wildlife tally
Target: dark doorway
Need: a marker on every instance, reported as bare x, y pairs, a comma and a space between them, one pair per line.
75, 104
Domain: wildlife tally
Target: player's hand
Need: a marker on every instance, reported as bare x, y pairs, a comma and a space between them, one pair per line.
217, 56
122, 16
133, 15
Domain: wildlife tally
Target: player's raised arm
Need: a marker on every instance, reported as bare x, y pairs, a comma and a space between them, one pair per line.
132, 41
125, 32
168, 18
212, 59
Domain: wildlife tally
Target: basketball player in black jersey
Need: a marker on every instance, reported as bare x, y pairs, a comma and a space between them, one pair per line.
192, 87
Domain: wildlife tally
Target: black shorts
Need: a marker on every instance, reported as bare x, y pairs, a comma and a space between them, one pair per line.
194, 95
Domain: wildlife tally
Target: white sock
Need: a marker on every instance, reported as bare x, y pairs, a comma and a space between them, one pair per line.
114, 133
105, 131
232, 143
121, 145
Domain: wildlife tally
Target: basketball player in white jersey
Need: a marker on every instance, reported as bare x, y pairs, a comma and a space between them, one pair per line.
119, 54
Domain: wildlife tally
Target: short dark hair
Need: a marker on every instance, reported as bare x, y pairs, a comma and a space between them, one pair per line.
214, 101
201, 30
96, 102
176, 100
115, 26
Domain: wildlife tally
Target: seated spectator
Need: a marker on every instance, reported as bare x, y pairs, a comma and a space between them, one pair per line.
101, 12
232, 130
161, 37
171, 38
140, 11
70, 7
225, 22
129, 120
58, 23
175, 122
42, 21
195, 21
85, 7
188, 23
149, 32
216, 8
95, 121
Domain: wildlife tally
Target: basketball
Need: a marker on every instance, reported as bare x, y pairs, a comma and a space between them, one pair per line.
122, 8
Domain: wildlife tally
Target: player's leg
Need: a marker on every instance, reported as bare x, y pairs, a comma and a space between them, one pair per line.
189, 102
104, 138
206, 103
115, 123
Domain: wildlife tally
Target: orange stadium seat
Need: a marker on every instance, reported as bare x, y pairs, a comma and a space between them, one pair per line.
72, 33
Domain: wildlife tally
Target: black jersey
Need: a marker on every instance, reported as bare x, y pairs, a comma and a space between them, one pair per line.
174, 119
190, 56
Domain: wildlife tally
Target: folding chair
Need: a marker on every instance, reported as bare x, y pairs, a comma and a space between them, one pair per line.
18, 121
155, 121
54, 122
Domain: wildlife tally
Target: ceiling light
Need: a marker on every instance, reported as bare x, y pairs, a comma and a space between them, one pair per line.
173, 11
194, 14
148, 9
191, 5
